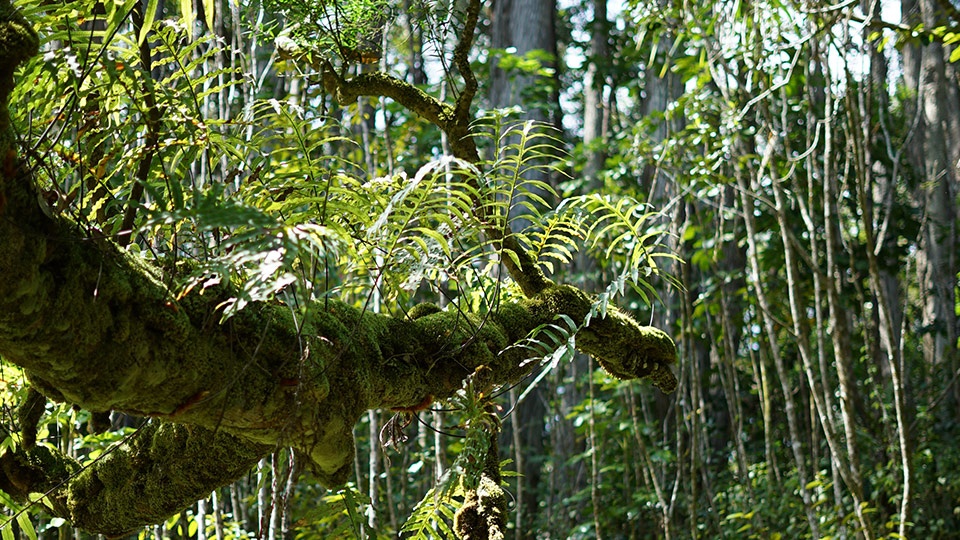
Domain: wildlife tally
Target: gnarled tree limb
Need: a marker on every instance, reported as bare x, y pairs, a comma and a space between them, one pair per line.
93, 325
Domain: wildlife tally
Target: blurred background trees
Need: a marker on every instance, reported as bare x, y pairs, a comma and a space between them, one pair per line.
803, 159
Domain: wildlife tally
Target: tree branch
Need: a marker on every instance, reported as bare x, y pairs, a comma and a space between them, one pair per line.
155, 473
455, 122
93, 325
461, 58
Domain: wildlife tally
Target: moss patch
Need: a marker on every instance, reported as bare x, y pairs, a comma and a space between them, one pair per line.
160, 471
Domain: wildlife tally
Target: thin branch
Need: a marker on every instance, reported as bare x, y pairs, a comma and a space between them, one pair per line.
455, 122
153, 135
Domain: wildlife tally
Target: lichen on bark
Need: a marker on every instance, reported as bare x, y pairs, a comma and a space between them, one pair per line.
483, 514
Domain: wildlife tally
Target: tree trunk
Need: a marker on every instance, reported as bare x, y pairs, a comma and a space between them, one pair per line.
596, 118
925, 75
526, 26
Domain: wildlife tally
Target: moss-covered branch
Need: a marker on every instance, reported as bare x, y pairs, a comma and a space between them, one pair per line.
483, 515
93, 325
131, 486
379, 84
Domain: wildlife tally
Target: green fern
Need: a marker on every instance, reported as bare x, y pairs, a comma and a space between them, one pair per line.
624, 234
431, 518
549, 344
515, 193
423, 220
559, 239
19, 517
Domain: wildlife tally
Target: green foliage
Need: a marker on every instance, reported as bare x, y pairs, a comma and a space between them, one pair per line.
550, 344
431, 518
329, 514
521, 155
625, 234
22, 521
105, 111
348, 30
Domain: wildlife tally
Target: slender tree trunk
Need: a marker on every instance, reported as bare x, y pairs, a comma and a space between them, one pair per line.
793, 424
392, 498
595, 115
887, 304
217, 514
762, 377
839, 327
518, 458
239, 512
933, 152
202, 519
276, 496
526, 25
594, 449
651, 470
415, 72
937, 259
373, 468
263, 497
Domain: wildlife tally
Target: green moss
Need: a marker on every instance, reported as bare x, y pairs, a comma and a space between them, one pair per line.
333, 450
559, 299
422, 310
18, 40
28, 416
158, 472
18, 43
627, 350
37, 470
516, 320
483, 513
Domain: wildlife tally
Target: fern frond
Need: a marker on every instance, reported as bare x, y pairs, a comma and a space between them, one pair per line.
431, 518
421, 221
524, 154
259, 254
623, 233
549, 344
558, 240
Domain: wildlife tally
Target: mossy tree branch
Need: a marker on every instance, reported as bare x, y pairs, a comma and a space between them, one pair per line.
92, 325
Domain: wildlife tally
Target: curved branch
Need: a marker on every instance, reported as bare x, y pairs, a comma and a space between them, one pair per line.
461, 58
96, 326
131, 485
379, 84
455, 122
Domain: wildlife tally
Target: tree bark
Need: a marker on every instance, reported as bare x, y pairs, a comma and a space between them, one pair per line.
596, 118
525, 25
934, 154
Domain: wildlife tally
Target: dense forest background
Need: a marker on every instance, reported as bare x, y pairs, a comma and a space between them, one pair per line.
800, 161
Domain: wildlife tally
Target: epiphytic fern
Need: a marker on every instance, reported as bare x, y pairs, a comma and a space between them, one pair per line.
623, 234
